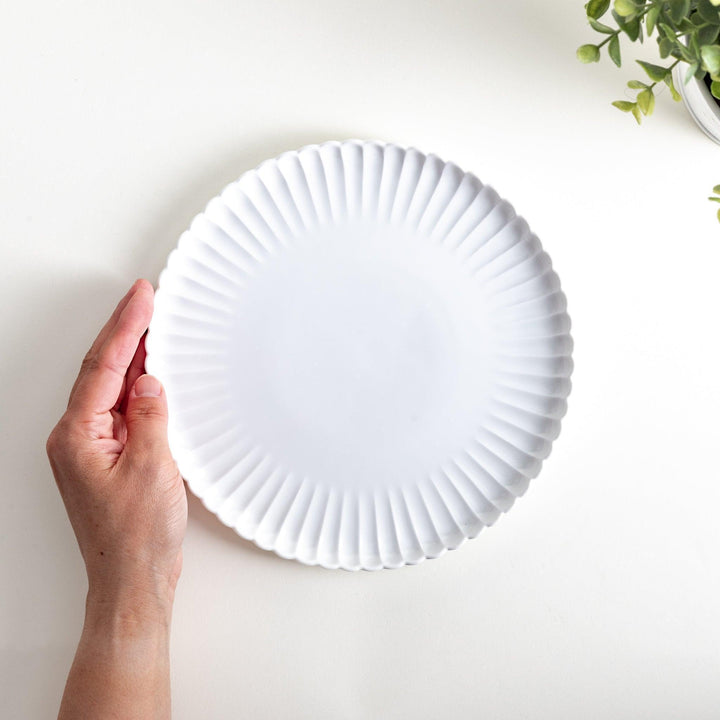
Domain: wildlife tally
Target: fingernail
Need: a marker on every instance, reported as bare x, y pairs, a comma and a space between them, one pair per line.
147, 386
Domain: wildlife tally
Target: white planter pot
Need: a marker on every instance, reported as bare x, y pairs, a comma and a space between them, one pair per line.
702, 105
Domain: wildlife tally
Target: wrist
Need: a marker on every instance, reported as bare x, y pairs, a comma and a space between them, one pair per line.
125, 644
128, 612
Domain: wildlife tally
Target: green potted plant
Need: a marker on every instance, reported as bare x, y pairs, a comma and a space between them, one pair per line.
687, 33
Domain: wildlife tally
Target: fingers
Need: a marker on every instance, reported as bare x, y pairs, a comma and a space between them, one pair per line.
112, 321
146, 418
107, 329
136, 369
101, 377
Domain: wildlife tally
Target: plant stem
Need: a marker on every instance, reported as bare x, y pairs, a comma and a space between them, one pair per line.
608, 38
650, 87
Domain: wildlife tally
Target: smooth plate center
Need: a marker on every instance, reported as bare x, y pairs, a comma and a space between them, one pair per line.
355, 368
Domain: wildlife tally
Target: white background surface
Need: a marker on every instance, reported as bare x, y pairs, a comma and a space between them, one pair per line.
596, 597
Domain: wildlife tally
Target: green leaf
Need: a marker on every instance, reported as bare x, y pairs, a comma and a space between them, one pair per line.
708, 34
597, 8
665, 47
718, 215
716, 189
679, 9
673, 91
636, 85
595, 25
614, 50
624, 105
694, 44
692, 69
636, 113
625, 8
667, 30
631, 28
646, 101
709, 12
655, 72
714, 199
715, 89
651, 19
710, 55
685, 53
588, 53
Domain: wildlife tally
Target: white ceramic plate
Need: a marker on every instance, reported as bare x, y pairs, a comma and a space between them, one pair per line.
366, 355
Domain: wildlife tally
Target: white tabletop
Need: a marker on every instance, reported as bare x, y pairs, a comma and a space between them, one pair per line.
596, 597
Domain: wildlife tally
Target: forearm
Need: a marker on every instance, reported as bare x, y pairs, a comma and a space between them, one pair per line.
122, 666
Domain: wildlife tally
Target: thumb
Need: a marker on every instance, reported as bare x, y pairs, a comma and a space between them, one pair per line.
146, 416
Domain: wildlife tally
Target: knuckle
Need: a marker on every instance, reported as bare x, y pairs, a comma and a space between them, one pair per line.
100, 360
51, 444
147, 410
56, 439
61, 437
90, 362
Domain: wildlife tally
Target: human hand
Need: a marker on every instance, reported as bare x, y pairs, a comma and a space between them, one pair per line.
110, 457
127, 504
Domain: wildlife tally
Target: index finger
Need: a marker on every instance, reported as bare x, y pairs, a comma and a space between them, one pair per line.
103, 370
107, 329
